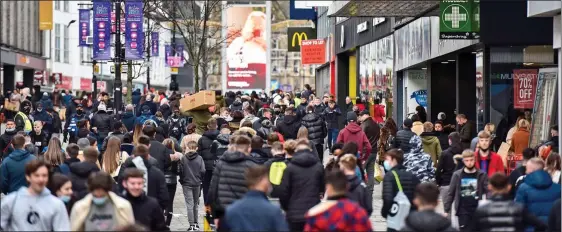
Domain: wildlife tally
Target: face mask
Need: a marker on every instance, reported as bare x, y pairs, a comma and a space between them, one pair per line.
79, 112
99, 200
39, 109
386, 165
10, 129
65, 198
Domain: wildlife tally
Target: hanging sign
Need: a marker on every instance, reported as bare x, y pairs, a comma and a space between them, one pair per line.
524, 88
102, 33
155, 41
459, 19
313, 51
84, 27
134, 46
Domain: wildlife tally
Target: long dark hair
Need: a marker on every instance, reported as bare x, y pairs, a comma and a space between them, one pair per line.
56, 182
391, 125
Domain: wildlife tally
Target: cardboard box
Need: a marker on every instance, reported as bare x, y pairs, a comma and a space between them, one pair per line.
198, 101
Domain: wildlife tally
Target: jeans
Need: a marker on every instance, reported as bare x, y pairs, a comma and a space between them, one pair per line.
191, 195
370, 168
464, 221
332, 136
444, 194
206, 184
170, 209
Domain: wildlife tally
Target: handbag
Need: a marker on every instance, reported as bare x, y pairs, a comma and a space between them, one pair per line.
400, 207
379, 172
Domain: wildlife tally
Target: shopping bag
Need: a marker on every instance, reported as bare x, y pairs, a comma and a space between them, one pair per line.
379, 172
400, 208
504, 152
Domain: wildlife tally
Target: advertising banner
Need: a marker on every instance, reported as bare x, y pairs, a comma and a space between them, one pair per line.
46, 15
64, 83
102, 33
246, 47
114, 25
84, 27
524, 88
155, 44
134, 46
86, 84
297, 34
313, 51
459, 19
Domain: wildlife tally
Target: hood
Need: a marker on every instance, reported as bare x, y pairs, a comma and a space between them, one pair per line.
429, 139
353, 128
10, 133
45, 98
164, 107
237, 103
539, 179
416, 144
266, 123
211, 134
191, 155
233, 157
19, 155
260, 153
137, 92
455, 150
353, 181
83, 169
24, 192
128, 115
433, 133
223, 139
248, 130
427, 220
304, 158
290, 119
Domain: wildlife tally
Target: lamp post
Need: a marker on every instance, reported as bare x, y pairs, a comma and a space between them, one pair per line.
148, 51
117, 85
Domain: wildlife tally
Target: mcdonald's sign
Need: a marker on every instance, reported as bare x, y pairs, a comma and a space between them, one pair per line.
297, 34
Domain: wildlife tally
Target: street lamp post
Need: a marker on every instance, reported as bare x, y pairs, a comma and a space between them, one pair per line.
118, 84
148, 51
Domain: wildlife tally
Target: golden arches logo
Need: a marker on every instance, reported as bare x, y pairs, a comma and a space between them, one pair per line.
299, 36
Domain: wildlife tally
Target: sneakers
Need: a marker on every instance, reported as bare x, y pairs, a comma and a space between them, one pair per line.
196, 227
193, 228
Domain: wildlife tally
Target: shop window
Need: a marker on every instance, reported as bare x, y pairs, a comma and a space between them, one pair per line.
66, 6
57, 42
66, 46
57, 5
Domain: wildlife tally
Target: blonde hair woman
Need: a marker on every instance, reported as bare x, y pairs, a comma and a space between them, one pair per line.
520, 139
113, 157
55, 156
137, 133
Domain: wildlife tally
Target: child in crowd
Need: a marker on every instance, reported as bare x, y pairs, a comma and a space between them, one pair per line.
191, 171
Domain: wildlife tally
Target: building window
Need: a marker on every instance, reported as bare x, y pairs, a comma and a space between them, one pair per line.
57, 42
66, 6
66, 46
57, 5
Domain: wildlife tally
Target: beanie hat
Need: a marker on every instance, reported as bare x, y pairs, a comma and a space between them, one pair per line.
351, 116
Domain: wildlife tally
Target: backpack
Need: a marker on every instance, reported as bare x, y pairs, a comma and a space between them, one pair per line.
276, 172
175, 127
73, 127
400, 207
144, 118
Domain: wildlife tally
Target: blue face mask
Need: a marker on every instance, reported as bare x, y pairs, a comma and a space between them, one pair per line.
386, 165
64, 198
99, 200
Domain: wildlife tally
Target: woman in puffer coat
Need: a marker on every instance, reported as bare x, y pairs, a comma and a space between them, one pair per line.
418, 162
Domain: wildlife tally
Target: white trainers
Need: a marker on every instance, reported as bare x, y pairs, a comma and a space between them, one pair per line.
196, 227
191, 228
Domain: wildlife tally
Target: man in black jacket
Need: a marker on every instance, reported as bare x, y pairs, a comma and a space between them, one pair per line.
157, 149
204, 149
290, 125
117, 132
372, 131
229, 183
101, 122
501, 213
393, 163
317, 130
446, 165
426, 219
357, 190
79, 172
146, 209
331, 115
466, 129
403, 136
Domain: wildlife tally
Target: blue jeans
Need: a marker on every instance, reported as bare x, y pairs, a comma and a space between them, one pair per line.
332, 136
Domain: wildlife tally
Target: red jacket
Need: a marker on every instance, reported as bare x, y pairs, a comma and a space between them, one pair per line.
341, 215
379, 114
495, 164
353, 133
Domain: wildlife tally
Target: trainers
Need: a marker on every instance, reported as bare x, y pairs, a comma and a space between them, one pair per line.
196, 227
191, 228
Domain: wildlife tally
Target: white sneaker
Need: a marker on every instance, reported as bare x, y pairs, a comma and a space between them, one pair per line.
196, 227
191, 228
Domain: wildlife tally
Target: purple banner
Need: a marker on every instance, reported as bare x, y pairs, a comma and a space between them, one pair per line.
179, 55
84, 28
134, 47
155, 41
167, 54
102, 30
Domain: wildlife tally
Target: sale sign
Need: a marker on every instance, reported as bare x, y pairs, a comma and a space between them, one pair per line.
313, 51
524, 88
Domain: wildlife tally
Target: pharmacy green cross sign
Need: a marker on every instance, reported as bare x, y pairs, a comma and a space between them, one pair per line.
459, 19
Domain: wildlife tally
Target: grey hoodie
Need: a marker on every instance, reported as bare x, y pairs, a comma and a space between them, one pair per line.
192, 169
22, 211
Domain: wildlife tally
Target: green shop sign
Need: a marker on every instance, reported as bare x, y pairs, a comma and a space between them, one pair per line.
459, 19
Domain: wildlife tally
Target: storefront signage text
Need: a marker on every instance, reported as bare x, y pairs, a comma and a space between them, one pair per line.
524, 87
297, 34
362, 27
459, 19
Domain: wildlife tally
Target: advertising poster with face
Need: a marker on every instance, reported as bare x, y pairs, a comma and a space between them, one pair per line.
246, 47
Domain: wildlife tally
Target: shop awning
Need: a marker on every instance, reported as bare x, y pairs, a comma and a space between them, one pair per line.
385, 8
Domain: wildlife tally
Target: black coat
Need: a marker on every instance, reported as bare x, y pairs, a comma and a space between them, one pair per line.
160, 153
147, 212
316, 126
220, 145
554, 217
301, 186
260, 155
467, 132
408, 181
289, 127
443, 139
358, 192
402, 139
332, 116
501, 214
372, 131
427, 220
157, 187
79, 173
5, 140
39, 140
103, 122
228, 183
166, 111
128, 119
204, 148
446, 165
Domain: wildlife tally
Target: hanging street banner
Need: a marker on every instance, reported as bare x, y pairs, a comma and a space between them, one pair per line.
134, 47
102, 33
295, 35
167, 54
313, 51
84, 27
46, 15
524, 88
459, 19
155, 44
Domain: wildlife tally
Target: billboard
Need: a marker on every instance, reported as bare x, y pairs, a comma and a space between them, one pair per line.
246, 48
297, 34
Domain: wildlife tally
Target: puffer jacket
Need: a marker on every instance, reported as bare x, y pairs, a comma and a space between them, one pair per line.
220, 145
501, 214
389, 188
204, 148
538, 194
353, 133
418, 162
446, 165
289, 127
265, 129
317, 130
228, 183
301, 186
427, 220
402, 139
431, 146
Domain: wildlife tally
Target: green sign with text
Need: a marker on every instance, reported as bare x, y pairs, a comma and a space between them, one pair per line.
459, 19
